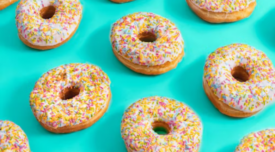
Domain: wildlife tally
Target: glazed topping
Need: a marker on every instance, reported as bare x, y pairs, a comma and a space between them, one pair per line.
226, 6
262, 141
182, 125
70, 94
241, 76
146, 39
12, 138
47, 22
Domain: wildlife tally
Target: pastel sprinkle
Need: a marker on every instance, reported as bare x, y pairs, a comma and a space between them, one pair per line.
47, 32
166, 48
250, 96
223, 5
50, 109
262, 141
138, 134
12, 138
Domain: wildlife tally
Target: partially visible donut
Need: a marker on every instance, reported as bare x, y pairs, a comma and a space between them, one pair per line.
262, 141
239, 80
147, 43
181, 128
47, 24
12, 138
6, 3
121, 1
218, 11
70, 97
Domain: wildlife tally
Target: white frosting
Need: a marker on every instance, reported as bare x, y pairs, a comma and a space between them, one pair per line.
166, 48
223, 5
47, 32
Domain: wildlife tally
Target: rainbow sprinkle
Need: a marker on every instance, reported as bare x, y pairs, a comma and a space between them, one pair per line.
138, 134
223, 5
262, 141
50, 109
167, 47
250, 96
12, 138
47, 32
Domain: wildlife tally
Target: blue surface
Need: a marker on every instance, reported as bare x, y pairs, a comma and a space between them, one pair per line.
21, 67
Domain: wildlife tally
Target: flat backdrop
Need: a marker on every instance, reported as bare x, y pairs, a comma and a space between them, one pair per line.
21, 67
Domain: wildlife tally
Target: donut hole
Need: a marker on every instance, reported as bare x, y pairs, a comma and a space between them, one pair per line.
69, 93
240, 74
161, 128
147, 37
47, 12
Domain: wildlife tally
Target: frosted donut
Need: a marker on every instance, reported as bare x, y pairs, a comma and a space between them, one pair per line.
142, 122
47, 24
70, 97
147, 43
12, 138
121, 1
6, 3
239, 80
218, 11
262, 141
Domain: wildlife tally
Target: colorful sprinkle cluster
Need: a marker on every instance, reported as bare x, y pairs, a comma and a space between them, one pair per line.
223, 5
47, 32
12, 138
138, 134
94, 94
249, 96
262, 141
168, 45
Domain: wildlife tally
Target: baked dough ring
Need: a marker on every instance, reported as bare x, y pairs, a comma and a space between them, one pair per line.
218, 11
121, 1
239, 80
70, 97
47, 24
182, 126
147, 43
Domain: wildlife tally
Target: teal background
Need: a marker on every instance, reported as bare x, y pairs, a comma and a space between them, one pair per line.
21, 67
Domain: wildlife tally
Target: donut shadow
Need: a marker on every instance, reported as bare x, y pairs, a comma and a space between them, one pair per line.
228, 148
19, 110
97, 52
265, 29
192, 92
180, 9
107, 131
9, 37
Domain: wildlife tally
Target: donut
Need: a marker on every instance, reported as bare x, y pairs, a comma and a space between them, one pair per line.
70, 97
239, 80
147, 43
12, 138
6, 3
47, 24
262, 141
161, 124
218, 11
121, 1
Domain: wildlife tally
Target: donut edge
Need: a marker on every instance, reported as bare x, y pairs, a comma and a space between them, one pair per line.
5, 4
223, 107
220, 17
81, 126
150, 70
26, 42
121, 1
